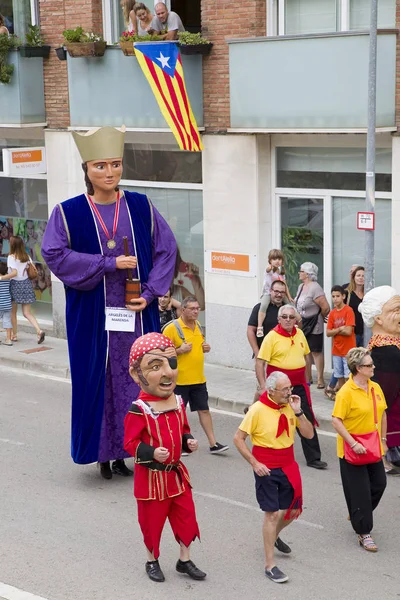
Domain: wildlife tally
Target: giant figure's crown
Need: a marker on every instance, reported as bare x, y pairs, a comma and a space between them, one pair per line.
102, 143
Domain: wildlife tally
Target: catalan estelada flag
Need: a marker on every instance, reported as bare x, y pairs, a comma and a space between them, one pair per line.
162, 65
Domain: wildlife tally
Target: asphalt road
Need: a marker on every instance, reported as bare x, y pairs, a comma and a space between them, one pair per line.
67, 534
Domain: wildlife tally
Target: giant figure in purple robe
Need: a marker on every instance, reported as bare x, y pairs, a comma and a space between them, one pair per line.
83, 246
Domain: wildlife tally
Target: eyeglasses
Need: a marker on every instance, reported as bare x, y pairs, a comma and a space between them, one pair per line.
277, 292
291, 317
368, 365
194, 308
285, 390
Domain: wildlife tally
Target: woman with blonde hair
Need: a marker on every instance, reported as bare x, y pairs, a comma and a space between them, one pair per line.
359, 418
21, 287
129, 15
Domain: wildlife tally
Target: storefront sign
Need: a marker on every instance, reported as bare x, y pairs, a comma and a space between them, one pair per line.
366, 221
227, 263
24, 161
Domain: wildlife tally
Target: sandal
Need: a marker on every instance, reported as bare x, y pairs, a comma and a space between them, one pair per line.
330, 393
14, 338
321, 386
41, 335
367, 543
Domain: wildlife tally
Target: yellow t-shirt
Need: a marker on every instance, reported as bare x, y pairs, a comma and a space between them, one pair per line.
279, 351
355, 408
261, 424
190, 364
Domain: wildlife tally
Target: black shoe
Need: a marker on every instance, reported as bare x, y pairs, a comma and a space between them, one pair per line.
218, 448
105, 470
276, 575
154, 572
282, 547
317, 464
119, 468
189, 568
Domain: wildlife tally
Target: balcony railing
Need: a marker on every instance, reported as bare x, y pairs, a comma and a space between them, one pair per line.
310, 82
22, 100
112, 90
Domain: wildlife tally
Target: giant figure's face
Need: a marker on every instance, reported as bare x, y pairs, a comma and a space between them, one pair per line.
105, 175
157, 372
389, 319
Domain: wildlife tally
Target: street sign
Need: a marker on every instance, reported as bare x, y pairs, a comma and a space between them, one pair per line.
24, 161
366, 221
229, 263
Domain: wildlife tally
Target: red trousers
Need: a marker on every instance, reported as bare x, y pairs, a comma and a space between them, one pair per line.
181, 513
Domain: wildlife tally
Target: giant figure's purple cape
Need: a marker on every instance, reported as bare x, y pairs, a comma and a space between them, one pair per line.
101, 386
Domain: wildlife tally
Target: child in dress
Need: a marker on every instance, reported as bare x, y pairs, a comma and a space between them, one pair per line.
5, 300
275, 271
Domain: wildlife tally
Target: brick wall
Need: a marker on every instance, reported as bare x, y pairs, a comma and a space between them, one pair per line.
221, 20
55, 16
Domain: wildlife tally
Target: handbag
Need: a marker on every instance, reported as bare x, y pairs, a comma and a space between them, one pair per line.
307, 324
31, 270
370, 441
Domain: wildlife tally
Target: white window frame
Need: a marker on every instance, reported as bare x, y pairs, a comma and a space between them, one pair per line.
34, 12
276, 16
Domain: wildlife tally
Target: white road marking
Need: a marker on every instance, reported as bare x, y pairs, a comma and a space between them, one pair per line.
249, 507
14, 443
12, 593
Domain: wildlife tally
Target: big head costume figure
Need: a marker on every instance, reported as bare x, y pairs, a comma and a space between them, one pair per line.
380, 310
83, 246
156, 432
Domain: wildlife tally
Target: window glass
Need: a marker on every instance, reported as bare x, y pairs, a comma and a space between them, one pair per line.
155, 162
310, 16
348, 241
331, 168
302, 222
360, 11
23, 212
17, 15
183, 211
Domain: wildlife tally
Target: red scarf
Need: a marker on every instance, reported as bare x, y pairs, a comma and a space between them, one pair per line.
279, 329
149, 397
283, 424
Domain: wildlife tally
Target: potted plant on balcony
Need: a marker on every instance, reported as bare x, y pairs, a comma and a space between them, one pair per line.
83, 43
193, 43
35, 45
126, 43
7, 43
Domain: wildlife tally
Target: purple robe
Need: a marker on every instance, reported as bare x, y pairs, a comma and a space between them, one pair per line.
84, 272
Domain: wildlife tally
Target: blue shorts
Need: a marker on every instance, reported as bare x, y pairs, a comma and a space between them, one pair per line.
5, 316
340, 368
274, 492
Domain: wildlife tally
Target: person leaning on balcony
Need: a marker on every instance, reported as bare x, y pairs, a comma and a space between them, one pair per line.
166, 23
143, 19
129, 14
3, 28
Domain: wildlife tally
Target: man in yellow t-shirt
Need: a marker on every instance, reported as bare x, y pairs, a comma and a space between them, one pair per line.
271, 424
188, 339
284, 349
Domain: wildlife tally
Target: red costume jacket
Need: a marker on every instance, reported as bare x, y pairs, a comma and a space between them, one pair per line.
146, 430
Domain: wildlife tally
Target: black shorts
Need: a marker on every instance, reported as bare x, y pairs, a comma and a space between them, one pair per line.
315, 342
196, 395
274, 492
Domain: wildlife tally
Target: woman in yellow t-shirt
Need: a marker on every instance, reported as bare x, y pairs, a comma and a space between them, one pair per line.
353, 414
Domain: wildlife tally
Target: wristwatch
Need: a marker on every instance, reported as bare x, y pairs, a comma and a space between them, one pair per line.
299, 413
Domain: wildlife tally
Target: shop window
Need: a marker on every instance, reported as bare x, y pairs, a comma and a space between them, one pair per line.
18, 14
183, 211
331, 168
154, 162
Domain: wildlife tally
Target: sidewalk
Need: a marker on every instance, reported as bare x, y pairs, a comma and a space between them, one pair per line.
229, 389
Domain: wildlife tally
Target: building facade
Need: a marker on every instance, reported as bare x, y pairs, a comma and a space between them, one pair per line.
281, 102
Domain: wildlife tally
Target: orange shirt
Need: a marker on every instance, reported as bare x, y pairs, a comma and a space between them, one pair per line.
337, 318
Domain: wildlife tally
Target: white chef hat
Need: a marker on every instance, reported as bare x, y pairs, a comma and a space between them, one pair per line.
373, 302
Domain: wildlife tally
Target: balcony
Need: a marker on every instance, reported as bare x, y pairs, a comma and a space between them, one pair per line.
22, 100
310, 82
113, 90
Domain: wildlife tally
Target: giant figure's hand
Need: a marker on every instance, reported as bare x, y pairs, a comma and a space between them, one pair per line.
138, 304
126, 262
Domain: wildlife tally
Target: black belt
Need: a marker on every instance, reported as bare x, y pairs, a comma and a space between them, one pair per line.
157, 466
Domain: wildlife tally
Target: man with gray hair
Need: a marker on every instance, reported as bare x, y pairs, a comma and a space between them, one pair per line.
284, 349
271, 424
380, 310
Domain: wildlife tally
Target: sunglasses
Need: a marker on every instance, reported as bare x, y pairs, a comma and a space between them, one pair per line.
291, 317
